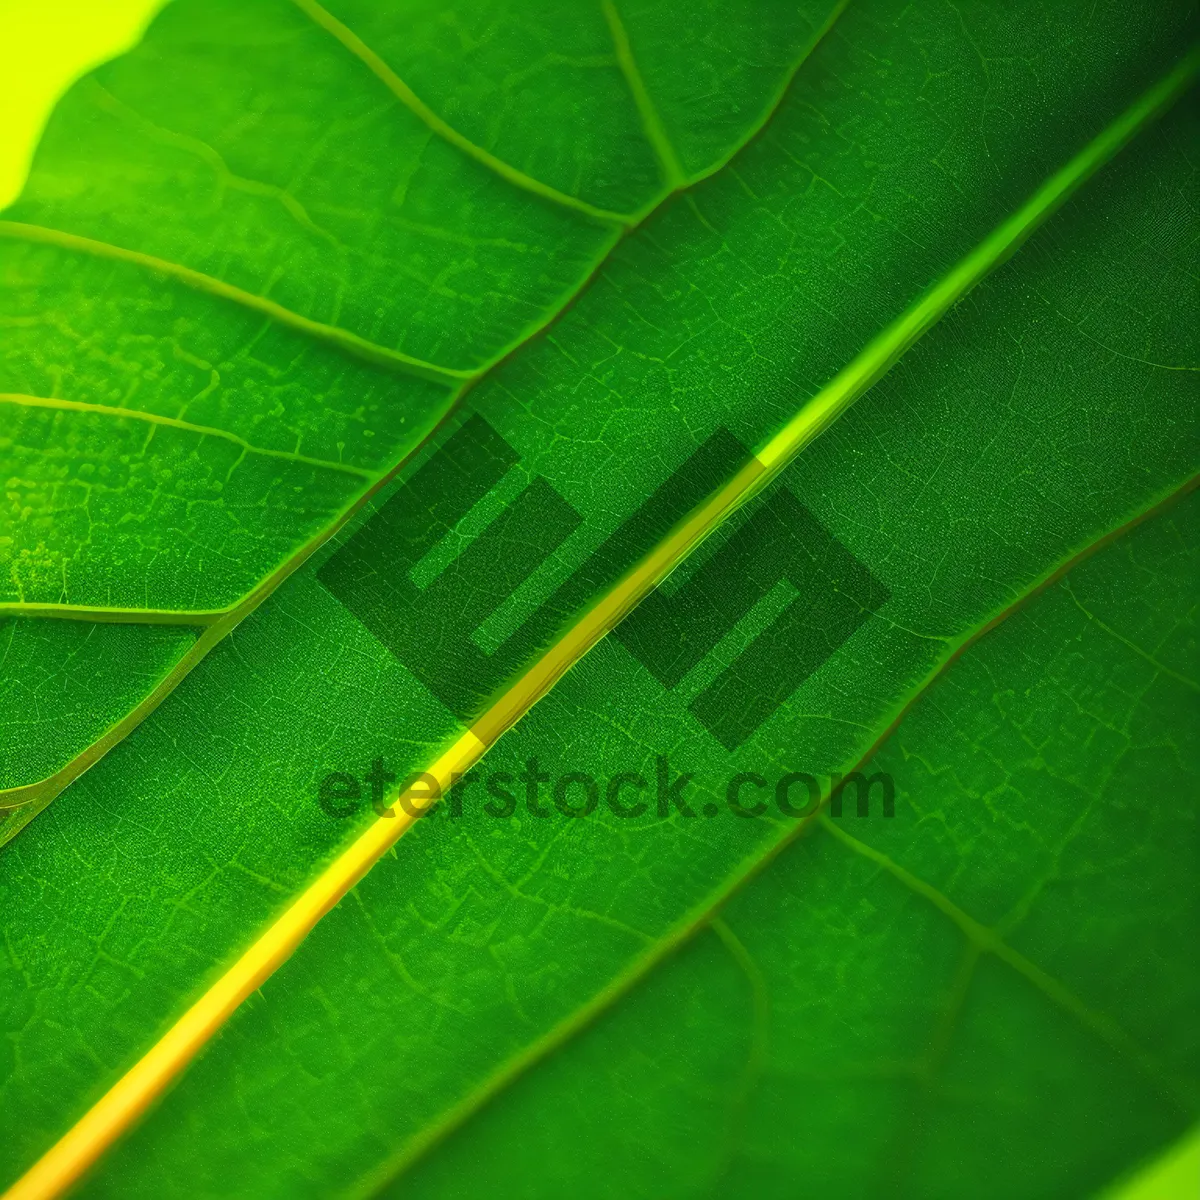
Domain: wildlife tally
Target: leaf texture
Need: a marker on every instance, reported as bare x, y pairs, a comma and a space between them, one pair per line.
231, 310
1049, 409
484, 942
852, 1017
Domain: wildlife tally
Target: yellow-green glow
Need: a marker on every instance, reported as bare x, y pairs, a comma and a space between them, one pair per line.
45, 45
1175, 1176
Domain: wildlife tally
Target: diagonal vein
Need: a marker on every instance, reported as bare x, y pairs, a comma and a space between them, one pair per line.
1154, 661
988, 940
82, 1145
133, 414
343, 338
34, 797
38, 794
380, 69
703, 916
106, 615
674, 176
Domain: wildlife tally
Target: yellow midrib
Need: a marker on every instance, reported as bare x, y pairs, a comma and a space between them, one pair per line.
461, 379
702, 917
84, 1143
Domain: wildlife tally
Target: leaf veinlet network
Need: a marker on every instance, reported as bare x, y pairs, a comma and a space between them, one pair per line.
884, 761
217, 623
136, 1089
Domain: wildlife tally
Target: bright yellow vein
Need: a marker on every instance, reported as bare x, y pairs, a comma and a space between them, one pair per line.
217, 621
81, 1146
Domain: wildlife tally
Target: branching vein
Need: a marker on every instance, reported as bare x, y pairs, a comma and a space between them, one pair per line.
674, 176
348, 38
343, 338
989, 941
133, 414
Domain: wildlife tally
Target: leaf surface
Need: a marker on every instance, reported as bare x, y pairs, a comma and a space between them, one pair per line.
485, 942
724, 312
231, 309
903, 1007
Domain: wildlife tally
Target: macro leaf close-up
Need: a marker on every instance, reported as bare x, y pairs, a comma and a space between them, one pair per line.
600, 598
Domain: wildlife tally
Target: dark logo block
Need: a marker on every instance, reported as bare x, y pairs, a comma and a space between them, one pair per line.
670, 634
430, 629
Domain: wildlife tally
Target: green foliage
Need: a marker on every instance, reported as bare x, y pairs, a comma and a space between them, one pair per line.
347, 263
984, 996
203, 238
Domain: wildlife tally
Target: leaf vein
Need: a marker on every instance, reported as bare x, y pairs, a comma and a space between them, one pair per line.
674, 176
88, 1139
343, 338
355, 45
133, 414
987, 940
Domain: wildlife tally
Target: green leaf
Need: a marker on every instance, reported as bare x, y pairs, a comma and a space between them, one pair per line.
1047, 410
983, 996
483, 944
231, 310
